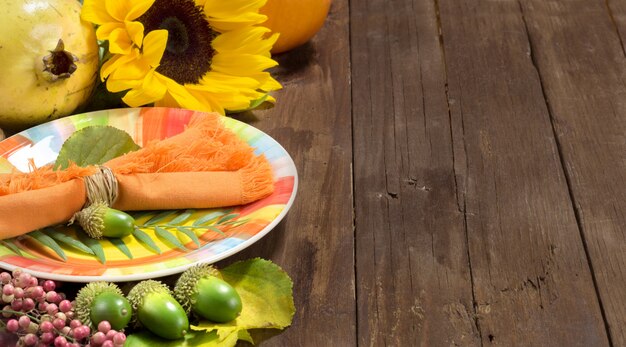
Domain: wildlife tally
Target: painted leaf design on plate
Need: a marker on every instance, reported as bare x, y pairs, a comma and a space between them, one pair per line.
178, 230
48, 242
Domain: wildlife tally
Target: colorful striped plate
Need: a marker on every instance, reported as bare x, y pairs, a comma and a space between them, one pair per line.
232, 229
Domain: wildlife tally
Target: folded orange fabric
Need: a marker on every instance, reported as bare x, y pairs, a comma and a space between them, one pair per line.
205, 166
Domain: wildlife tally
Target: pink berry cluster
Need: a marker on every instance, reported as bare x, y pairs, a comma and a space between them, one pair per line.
41, 317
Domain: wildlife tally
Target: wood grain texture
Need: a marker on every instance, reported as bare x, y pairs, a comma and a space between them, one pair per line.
529, 268
413, 280
314, 243
578, 53
461, 167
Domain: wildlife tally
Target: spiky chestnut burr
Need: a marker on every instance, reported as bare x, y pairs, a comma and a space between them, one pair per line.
102, 301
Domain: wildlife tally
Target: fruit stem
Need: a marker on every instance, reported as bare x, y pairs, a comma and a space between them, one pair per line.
37, 321
59, 64
20, 313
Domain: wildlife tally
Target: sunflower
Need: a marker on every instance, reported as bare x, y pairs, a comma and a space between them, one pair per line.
207, 55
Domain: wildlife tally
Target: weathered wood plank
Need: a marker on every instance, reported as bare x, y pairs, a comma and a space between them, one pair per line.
617, 13
413, 281
579, 55
531, 278
314, 244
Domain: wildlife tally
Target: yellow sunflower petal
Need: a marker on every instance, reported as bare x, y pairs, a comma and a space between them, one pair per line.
225, 16
112, 64
232, 8
237, 73
217, 82
241, 64
210, 100
228, 98
267, 82
136, 69
123, 10
118, 62
247, 40
135, 32
151, 90
137, 8
232, 95
166, 101
116, 9
116, 85
104, 31
119, 41
118, 82
154, 46
223, 25
181, 95
95, 11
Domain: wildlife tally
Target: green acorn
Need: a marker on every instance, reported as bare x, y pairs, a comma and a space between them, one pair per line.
99, 220
102, 301
202, 291
156, 309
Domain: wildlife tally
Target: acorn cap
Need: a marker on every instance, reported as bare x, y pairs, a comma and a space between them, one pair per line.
185, 287
86, 296
91, 219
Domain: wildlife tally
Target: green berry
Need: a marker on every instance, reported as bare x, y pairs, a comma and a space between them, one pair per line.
113, 308
156, 309
201, 291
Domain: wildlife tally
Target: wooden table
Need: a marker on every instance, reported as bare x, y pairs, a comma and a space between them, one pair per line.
462, 169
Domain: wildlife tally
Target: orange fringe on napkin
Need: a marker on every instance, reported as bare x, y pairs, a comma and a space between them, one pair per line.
39, 178
205, 166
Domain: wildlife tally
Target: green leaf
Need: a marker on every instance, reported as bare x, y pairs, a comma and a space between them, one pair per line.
181, 218
121, 245
8, 243
94, 145
245, 336
48, 242
93, 244
159, 217
207, 218
266, 293
191, 339
145, 238
169, 237
190, 234
62, 237
253, 104
256, 103
102, 98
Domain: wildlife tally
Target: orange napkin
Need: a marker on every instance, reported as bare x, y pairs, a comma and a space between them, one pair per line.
204, 166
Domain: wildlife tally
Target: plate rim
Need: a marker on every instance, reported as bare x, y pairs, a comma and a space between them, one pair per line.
180, 268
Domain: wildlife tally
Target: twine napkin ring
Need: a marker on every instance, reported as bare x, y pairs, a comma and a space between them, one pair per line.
101, 190
101, 186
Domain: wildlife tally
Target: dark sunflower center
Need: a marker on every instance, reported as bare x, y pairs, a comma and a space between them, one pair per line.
188, 52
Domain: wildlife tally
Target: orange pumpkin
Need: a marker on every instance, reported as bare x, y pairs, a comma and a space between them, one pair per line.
297, 21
